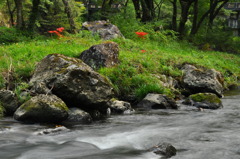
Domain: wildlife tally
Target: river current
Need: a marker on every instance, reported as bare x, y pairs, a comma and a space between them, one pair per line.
208, 134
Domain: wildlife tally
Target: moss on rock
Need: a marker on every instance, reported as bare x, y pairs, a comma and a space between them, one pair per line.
205, 97
2, 110
42, 108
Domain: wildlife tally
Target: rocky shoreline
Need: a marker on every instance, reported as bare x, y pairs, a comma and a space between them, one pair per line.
64, 88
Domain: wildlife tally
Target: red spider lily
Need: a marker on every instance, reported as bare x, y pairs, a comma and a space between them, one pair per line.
57, 31
143, 51
60, 29
141, 34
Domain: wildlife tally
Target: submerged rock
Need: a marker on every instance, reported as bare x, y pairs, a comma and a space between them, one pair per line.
157, 101
204, 100
103, 28
8, 101
57, 129
42, 109
120, 107
77, 115
102, 55
77, 84
200, 81
164, 149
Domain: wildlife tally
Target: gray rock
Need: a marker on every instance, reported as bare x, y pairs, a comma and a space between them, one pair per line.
120, 107
204, 101
8, 101
103, 28
200, 81
77, 84
157, 101
42, 109
56, 130
79, 116
164, 149
103, 55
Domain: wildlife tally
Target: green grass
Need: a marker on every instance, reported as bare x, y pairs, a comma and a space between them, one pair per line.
137, 74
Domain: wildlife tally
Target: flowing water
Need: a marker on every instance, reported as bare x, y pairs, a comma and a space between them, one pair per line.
208, 134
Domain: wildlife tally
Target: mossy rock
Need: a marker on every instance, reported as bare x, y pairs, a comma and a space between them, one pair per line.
204, 100
2, 110
205, 97
42, 109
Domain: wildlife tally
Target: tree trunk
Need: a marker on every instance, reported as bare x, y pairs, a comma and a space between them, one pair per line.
19, 6
34, 14
214, 10
147, 10
185, 6
10, 13
70, 16
195, 18
136, 4
174, 16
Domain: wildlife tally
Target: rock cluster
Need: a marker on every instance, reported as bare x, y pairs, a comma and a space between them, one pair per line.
77, 84
70, 90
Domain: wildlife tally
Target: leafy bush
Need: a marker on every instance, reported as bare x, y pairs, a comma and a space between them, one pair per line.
18, 91
11, 35
219, 40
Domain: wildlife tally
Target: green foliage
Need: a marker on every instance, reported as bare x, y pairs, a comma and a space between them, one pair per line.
218, 40
11, 35
20, 88
143, 90
52, 15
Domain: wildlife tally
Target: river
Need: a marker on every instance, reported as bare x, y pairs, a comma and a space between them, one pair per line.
208, 134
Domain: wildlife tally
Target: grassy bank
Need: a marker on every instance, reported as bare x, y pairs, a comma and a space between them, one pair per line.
143, 61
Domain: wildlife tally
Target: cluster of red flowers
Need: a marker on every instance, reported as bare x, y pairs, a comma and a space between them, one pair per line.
141, 34
58, 31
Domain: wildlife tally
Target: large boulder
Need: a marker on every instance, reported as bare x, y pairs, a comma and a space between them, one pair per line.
204, 101
103, 28
77, 84
42, 109
103, 55
157, 101
8, 101
202, 81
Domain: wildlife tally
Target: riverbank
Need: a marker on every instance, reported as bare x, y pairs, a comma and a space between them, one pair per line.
142, 62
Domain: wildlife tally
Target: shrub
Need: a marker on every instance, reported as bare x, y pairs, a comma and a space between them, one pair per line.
11, 35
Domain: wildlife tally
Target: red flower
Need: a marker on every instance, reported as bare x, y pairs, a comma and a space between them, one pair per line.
141, 34
142, 51
57, 31
60, 29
